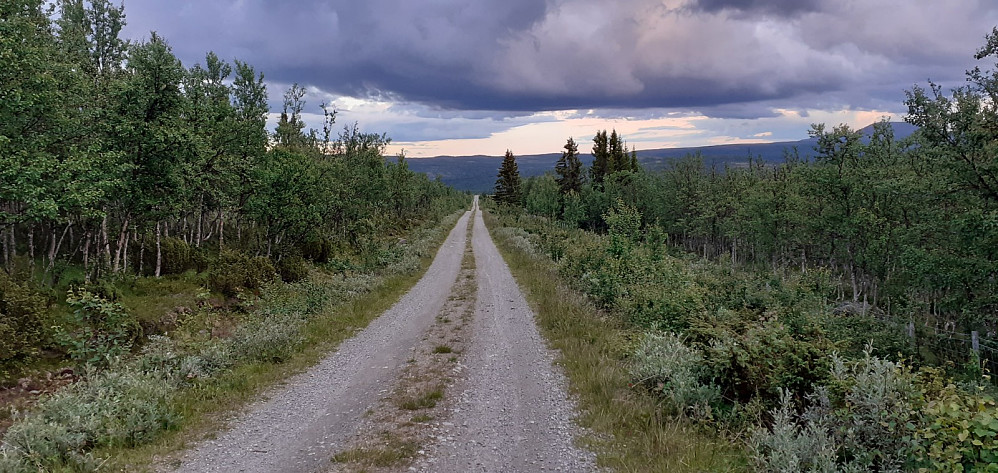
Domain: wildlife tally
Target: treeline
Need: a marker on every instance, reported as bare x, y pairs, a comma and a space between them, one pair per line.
908, 227
111, 152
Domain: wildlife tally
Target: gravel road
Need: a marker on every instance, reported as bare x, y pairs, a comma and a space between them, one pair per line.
298, 426
514, 414
510, 411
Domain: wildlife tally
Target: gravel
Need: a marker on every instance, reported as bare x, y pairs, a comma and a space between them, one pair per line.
299, 425
514, 413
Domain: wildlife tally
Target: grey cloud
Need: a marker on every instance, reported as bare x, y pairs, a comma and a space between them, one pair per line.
771, 7
519, 56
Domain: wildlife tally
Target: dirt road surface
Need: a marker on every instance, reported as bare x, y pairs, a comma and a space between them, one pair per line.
513, 414
509, 412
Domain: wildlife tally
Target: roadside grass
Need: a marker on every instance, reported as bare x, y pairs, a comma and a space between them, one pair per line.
206, 405
394, 452
423, 400
442, 349
629, 430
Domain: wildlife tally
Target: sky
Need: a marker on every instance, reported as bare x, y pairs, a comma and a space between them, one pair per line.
464, 77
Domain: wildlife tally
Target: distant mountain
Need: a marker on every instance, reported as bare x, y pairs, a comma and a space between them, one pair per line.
478, 173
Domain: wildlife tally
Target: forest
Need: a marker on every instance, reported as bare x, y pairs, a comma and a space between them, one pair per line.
129, 181
838, 313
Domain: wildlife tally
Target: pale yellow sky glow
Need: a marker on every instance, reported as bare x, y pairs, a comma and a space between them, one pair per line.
670, 132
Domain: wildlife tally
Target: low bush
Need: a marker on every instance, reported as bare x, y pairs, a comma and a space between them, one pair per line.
664, 364
292, 268
98, 331
177, 256
234, 270
318, 249
23, 321
755, 360
114, 408
274, 339
959, 431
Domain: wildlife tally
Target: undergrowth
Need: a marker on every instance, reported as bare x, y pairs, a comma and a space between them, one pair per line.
630, 431
756, 355
131, 407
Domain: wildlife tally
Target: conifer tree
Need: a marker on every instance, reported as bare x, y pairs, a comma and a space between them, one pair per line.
617, 160
601, 158
569, 169
508, 181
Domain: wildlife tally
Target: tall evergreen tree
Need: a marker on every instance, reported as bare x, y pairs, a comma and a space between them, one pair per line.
508, 181
569, 169
601, 158
617, 160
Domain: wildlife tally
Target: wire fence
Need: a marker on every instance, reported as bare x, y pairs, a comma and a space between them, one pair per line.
959, 348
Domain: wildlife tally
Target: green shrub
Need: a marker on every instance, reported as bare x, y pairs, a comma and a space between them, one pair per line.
864, 418
99, 330
663, 363
176, 254
851, 334
234, 270
869, 407
23, 321
960, 429
661, 306
789, 447
274, 339
200, 259
292, 268
114, 408
756, 359
318, 249
166, 358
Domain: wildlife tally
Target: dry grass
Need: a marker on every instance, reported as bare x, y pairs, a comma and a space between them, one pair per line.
630, 433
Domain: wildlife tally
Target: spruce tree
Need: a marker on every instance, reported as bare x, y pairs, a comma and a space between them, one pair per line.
508, 181
601, 158
569, 169
616, 161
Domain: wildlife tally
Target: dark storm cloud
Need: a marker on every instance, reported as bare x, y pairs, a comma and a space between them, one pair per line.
772, 7
726, 56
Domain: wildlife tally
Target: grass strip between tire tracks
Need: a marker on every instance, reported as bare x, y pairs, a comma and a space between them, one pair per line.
627, 430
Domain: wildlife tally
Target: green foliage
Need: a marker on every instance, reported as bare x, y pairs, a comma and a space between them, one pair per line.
666, 365
507, 190
98, 331
789, 447
177, 256
23, 321
959, 431
112, 409
292, 269
234, 271
274, 339
756, 358
569, 169
610, 156
541, 196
